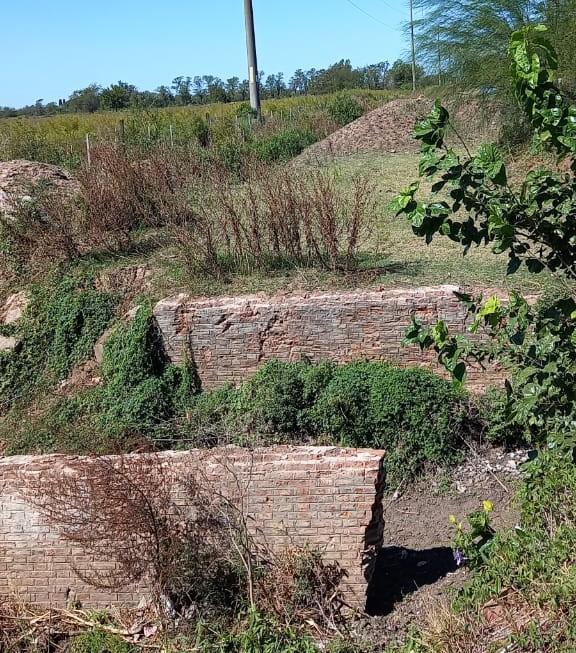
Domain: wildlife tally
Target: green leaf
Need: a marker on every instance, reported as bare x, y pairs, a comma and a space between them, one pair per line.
489, 161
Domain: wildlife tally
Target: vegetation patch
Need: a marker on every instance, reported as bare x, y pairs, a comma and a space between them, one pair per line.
57, 332
414, 415
283, 146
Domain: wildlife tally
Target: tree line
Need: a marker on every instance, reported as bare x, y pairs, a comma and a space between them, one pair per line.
206, 89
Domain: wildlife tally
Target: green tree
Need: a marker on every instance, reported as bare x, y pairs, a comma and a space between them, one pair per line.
85, 100
467, 41
400, 75
117, 96
181, 86
535, 225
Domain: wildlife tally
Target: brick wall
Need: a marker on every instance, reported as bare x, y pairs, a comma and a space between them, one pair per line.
322, 496
229, 338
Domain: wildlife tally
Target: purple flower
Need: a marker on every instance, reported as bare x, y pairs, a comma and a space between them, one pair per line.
459, 557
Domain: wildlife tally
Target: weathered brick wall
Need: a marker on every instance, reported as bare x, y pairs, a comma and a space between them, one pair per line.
323, 496
229, 338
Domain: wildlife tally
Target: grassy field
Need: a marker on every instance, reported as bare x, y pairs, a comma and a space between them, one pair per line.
61, 139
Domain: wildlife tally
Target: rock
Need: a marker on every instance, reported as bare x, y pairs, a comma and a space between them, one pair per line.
8, 344
18, 177
13, 308
99, 346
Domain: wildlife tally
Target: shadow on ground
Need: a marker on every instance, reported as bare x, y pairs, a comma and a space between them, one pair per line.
399, 571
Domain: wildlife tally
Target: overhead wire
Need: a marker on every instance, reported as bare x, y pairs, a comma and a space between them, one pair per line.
351, 2
392, 7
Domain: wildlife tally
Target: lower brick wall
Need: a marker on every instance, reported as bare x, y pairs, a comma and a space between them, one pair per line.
322, 496
229, 338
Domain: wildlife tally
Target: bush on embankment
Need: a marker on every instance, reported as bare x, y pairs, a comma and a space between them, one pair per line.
412, 413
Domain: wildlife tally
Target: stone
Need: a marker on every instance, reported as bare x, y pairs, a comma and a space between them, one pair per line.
8, 343
17, 177
13, 308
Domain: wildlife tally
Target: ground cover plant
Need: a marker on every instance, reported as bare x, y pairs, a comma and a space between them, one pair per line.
414, 415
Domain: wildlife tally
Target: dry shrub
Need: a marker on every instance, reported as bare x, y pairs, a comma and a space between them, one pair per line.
123, 514
276, 217
42, 229
299, 587
117, 196
189, 543
122, 193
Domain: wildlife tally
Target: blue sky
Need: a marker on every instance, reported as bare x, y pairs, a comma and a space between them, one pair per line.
49, 49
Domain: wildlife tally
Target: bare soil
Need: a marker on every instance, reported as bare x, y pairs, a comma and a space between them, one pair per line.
416, 572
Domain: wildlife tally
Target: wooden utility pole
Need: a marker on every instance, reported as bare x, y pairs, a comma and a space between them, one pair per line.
252, 59
413, 45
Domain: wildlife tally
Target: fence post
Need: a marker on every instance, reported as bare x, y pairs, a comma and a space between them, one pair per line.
171, 137
88, 157
121, 131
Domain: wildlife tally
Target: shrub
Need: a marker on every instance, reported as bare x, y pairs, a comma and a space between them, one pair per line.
244, 110
141, 388
277, 399
413, 414
344, 109
299, 586
533, 225
200, 130
284, 145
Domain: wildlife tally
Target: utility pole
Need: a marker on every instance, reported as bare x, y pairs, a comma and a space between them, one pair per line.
413, 46
252, 60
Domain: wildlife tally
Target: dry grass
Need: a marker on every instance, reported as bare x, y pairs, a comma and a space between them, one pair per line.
391, 256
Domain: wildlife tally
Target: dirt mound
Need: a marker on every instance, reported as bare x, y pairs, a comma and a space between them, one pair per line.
386, 129
18, 177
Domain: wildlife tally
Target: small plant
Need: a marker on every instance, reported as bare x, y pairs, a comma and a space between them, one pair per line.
344, 109
260, 634
96, 641
472, 545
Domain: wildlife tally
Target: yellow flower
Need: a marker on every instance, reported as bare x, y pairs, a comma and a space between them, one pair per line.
452, 519
488, 506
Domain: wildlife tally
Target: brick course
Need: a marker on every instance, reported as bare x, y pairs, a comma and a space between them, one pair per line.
322, 496
229, 338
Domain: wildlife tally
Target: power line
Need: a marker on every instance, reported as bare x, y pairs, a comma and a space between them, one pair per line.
392, 7
367, 14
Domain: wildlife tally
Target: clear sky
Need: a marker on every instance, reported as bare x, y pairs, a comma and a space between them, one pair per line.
49, 48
